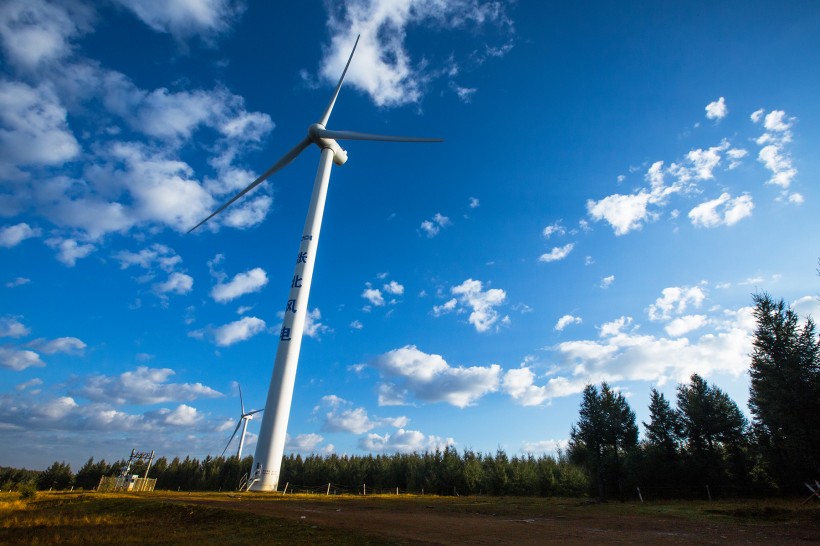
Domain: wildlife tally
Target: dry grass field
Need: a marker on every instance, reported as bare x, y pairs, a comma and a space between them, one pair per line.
230, 518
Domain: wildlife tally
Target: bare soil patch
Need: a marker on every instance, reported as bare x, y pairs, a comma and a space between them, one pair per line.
476, 520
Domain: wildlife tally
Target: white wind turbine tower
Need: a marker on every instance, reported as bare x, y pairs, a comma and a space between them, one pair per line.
270, 445
244, 417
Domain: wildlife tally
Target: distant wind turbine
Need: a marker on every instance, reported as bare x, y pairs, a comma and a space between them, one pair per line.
270, 445
244, 417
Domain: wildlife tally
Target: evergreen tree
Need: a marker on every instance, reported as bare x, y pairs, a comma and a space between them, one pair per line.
714, 429
660, 467
606, 431
785, 392
57, 476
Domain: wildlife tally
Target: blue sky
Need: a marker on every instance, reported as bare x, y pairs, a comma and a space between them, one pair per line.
616, 181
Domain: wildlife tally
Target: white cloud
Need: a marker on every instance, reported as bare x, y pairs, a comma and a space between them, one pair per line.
11, 327
394, 288
356, 325
683, 325
519, 384
177, 283
557, 253
404, 441
634, 357
546, 447
184, 18
606, 282
19, 281
156, 254
675, 300
432, 227
383, 67
373, 295
565, 321
240, 330
18, 360
69, 250
35, 32
717, 109
66, 345
11, 236
470, 295
723, 211
773, 143
182, 416
623, 212
554, 229
343, 418
243, 283
142, 386
305, 443
429, 378
474, 202
314, 328
36, 382
33, 129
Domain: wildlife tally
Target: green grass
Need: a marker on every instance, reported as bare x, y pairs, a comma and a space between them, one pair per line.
130, 519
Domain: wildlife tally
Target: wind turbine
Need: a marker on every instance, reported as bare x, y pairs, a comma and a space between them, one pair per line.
244, 417
270, 445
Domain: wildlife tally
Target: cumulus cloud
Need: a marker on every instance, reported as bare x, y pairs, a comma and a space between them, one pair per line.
474, 202
404, 441
629, 212
69, 250
481, 303
18, 281
314, 327
554, 229
19, 359
240, 330
773, 154
394, 288
717, 110
546, 447
177, 283
557, 253
431, 227
247, 282
383, 67
157, 254
680, 326
11, 236
428, 377
627, 355
565, 321
675, 300
66, 345
342, 417
123, 183
373, 295
11, 327
142, 386
306, 443
607, 281
723, 211
184, 18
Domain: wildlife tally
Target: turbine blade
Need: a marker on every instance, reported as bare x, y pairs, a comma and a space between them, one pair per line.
326, 115
287, 158
241, 402
255, 411
353, 135
231, 439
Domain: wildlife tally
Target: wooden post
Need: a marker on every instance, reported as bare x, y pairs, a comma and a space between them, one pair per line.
364, 488
397, 491
639, 493
285, 490
328, 489
708, 493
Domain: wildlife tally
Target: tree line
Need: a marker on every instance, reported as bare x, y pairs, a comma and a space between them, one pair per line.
701, 447
705, 446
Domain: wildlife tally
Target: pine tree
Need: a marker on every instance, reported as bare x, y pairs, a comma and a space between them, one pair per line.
785, 392
605, 433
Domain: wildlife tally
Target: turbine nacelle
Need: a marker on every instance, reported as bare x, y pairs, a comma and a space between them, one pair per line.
315, 133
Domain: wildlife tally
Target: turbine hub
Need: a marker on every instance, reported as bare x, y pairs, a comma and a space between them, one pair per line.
314, 134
